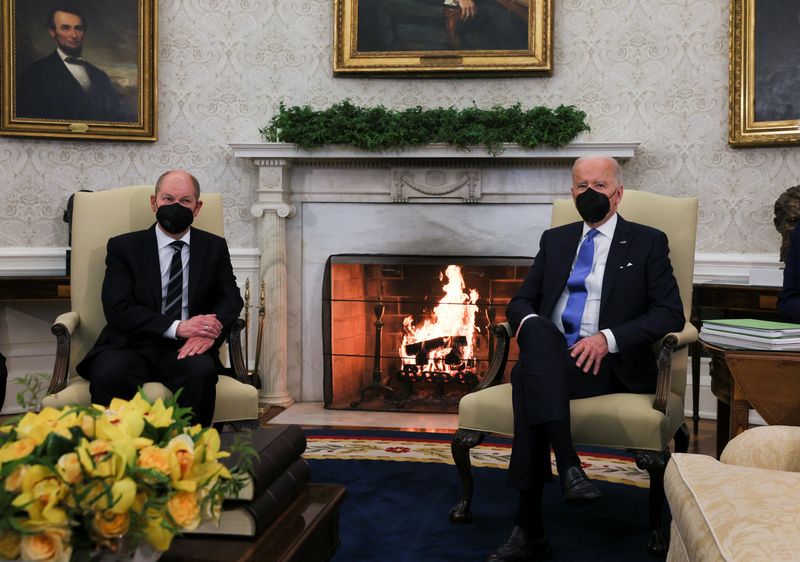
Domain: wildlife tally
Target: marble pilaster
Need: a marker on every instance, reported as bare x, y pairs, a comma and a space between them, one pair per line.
273, 208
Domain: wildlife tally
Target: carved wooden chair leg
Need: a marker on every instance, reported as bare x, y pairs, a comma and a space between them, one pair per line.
463, 441
682, 439
655, 462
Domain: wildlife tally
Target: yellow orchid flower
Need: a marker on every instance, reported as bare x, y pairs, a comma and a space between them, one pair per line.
100, 459
18, 449
42, 491
156, 533
207, 446
49, 420
159, 415
13, 482
181, 447
124, 494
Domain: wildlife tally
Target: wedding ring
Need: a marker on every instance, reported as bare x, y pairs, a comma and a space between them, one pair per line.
205, 328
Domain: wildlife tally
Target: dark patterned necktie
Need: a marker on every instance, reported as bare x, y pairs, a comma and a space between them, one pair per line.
573, 312
174, 302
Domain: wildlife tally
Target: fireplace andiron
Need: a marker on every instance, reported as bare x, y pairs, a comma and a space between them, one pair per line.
377, 372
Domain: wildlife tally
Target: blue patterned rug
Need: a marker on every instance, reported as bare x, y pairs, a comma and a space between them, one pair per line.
401, 486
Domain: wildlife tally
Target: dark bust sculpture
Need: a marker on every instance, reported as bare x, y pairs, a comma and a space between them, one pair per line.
787, 215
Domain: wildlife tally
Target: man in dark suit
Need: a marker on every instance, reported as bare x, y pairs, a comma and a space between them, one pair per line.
789, 298
63, 85
599, 294
169, 297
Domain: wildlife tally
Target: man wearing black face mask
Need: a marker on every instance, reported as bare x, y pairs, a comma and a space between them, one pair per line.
599, 294
169, 297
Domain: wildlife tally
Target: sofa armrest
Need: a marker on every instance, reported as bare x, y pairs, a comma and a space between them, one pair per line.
776, 447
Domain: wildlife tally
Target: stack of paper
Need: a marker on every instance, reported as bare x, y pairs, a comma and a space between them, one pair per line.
748, 333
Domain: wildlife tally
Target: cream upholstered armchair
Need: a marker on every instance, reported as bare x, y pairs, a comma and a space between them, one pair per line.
644, 423
741, 507
96, 217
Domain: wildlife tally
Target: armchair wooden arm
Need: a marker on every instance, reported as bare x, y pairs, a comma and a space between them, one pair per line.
497, 362
64, 326
666, 347
238, 363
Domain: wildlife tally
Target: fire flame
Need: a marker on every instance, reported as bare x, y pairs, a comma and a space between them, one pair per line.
454, 316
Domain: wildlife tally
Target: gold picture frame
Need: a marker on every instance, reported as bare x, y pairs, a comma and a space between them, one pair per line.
764, 104
442, 37
84, 69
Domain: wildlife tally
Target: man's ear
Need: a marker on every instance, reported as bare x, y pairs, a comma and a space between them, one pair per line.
197, 208
153, 205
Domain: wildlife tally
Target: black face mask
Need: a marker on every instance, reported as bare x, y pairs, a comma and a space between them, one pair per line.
174, 218
592, 205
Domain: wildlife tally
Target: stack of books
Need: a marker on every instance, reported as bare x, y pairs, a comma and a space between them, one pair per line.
278, 475
747, 333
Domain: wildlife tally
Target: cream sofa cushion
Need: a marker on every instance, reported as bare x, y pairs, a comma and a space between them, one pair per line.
723, 511
622, 420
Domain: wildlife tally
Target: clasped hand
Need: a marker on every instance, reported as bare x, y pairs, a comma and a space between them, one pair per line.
589, 352
199, 332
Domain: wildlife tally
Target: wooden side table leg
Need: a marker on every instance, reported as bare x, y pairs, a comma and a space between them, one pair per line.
723, 425
695, 349
740, 412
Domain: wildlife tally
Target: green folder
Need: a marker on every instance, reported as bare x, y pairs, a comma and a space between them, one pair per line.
763, 328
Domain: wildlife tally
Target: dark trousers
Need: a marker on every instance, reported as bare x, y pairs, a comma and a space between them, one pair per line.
117, 373
543, 382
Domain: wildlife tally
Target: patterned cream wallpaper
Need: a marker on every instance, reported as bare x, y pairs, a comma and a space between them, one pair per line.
653, 71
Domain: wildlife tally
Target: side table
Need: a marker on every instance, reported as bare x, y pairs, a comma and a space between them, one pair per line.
725, 300
768, 381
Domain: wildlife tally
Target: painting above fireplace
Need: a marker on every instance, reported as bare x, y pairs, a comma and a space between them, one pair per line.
411, 332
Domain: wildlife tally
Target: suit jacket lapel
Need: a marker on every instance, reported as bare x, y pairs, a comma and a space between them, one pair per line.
617, 256
568, 247
197, 256
151, 265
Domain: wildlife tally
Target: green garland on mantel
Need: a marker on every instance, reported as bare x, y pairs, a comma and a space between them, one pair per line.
378, 128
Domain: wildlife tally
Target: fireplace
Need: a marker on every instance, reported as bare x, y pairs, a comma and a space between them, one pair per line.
411, 333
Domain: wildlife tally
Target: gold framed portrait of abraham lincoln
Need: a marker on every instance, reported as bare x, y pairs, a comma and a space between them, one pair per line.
79, 69
442, 37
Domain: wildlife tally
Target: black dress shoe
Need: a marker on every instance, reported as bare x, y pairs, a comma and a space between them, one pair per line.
576, 488
520, 546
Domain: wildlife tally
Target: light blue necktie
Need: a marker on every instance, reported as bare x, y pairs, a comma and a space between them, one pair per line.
573, 312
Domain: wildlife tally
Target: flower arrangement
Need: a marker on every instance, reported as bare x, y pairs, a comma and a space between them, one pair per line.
80, 483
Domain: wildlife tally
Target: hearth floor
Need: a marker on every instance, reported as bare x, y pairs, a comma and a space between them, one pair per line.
313, 414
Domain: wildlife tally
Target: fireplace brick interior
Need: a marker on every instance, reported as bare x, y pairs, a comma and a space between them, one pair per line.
400, 286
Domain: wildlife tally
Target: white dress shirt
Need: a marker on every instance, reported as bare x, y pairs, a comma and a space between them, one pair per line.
165, 253
77, 70
594, 287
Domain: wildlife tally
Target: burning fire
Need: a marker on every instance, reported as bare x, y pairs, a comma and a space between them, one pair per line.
444, 342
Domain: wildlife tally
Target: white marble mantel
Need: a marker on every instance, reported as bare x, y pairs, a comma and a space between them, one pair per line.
336, 199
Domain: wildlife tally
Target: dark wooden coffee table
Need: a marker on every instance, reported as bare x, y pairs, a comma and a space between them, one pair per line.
308, 531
